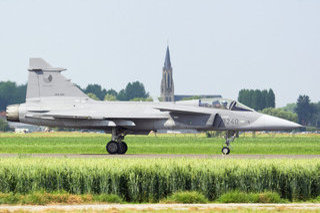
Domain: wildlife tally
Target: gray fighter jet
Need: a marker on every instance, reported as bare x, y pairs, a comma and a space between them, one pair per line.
52, 100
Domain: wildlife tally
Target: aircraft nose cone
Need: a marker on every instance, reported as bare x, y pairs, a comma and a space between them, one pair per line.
267, 122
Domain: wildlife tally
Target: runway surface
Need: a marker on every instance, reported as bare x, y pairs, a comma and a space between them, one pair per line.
220, 156
150, 207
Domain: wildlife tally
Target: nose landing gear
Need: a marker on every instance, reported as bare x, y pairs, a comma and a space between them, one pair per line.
230, 136
117, 145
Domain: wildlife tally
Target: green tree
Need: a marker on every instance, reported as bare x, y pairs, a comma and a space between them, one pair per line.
264, 99
4, 127
133, 90
250, 99
316, 114
245, 97
110, 97
313, 112
122, 95
10, 93
271, 99
112, 92
257, 99
93, 96
304, 110
241, 96
290, 107
97, 90
281, 114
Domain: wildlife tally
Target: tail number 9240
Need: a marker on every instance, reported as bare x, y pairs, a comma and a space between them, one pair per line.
231, 121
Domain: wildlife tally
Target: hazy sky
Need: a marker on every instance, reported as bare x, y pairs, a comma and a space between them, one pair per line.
217, 47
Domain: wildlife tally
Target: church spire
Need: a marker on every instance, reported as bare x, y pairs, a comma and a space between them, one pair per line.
167, 87
167, 62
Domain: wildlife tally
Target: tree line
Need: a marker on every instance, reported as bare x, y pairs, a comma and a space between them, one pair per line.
12, 93
303, 111
264, 101
281, 113
308, 113
134, 91
257, 99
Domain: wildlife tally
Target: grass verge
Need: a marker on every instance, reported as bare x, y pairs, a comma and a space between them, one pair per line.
180, 197
242, 197
186, 197
44, 198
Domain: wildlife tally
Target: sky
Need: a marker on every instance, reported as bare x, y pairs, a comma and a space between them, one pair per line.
216, 47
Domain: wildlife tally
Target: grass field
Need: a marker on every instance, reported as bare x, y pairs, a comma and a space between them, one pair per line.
154, 179
91, 143
151, 180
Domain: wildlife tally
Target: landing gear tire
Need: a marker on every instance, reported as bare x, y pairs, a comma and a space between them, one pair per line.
122, 148
117, 145
225, 150
112, 147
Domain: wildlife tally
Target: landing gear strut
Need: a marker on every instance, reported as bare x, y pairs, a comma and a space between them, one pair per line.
117, 145
230, 136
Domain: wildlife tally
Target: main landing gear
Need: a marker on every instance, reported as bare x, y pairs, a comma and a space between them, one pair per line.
230, 136
117, 145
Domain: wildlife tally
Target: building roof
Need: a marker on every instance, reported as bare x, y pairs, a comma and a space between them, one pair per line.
167, 62
182, 97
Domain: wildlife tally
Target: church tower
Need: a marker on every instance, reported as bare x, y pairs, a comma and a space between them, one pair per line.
167, 87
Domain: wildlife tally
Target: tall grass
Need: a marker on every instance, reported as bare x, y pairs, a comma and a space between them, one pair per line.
143, 180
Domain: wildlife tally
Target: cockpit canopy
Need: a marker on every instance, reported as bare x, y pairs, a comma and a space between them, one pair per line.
224, 104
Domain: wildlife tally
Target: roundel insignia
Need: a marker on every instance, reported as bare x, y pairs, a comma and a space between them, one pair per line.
48, 78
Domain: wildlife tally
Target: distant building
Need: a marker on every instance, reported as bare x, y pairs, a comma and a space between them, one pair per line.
25, 128
20, 127
167, 86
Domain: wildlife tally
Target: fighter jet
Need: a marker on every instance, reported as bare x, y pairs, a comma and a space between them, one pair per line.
52, 100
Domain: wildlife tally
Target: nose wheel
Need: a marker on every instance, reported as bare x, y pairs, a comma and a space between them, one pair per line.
225, 150
230, 136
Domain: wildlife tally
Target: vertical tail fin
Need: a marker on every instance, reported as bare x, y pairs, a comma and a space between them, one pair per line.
47, 81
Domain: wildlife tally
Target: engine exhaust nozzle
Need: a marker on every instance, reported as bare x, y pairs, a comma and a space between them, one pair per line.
12, 113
